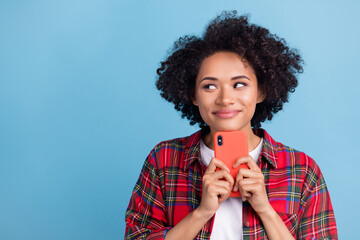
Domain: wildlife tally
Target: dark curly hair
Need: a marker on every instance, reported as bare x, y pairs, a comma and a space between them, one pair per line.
274, 63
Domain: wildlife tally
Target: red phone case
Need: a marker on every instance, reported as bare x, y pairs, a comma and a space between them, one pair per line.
234, 145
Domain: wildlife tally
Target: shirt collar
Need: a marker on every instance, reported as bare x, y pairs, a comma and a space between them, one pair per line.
192, 151
270, 147
269, 150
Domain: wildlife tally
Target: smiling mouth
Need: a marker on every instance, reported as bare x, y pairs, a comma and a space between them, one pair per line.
226, 113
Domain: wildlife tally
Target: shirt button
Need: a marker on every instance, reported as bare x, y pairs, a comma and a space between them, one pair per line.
247, 224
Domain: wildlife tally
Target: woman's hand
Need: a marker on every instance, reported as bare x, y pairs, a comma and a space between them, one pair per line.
250, 182
216, 187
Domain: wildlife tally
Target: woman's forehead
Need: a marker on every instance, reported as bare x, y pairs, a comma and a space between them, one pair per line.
224, 64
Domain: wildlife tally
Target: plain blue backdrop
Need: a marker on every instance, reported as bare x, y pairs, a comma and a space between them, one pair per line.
80, 112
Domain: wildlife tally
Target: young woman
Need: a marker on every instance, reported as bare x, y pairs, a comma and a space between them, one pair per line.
233, 78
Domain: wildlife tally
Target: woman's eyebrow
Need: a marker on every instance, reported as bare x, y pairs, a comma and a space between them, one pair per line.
233, 78
240, 76
209, 78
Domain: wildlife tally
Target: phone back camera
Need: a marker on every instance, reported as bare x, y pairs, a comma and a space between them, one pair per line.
220, 140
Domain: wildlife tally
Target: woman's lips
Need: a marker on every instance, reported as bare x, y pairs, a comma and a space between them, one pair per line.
226, 113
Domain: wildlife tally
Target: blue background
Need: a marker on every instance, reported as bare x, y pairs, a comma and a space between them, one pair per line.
80, 112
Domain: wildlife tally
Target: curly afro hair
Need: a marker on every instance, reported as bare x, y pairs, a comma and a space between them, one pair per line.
274, 63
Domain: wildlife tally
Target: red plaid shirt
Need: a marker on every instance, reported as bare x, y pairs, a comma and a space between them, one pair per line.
170, 184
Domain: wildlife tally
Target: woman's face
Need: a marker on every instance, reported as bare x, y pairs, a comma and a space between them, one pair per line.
226, 92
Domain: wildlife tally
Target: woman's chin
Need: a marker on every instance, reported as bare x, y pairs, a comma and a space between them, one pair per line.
230, 128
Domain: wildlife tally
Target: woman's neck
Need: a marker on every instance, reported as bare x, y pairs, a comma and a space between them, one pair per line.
253, 140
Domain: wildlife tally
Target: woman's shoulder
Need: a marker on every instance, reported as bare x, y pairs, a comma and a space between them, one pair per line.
298, 159
284, 156
176, 152
180, 143
292, 163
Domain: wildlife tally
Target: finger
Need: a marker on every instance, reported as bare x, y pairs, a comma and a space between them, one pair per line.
246, 195
220, 175
253, 183
250, 189
212, 187
245, 174
215, 190
225, 193
248, 173
227, 176
244, 198
249, 161
220, 164
248, 181
223, 197
238, 178
216, 163
224, 184
241, 174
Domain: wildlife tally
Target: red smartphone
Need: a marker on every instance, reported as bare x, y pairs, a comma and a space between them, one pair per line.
230, 146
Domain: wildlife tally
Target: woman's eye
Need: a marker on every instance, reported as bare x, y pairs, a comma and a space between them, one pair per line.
239, 85
210, 86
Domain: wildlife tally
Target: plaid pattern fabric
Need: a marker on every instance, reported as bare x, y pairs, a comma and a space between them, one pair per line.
170, 184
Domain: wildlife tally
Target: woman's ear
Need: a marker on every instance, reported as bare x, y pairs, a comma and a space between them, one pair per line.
261, 95
194, 101
193, 98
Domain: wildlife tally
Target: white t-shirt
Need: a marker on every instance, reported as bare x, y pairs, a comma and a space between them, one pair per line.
228, 218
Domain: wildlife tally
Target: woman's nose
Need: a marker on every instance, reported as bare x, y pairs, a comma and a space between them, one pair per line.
226, 97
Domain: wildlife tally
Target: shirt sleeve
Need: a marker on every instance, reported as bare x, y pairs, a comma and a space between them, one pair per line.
146, 215
317, 220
